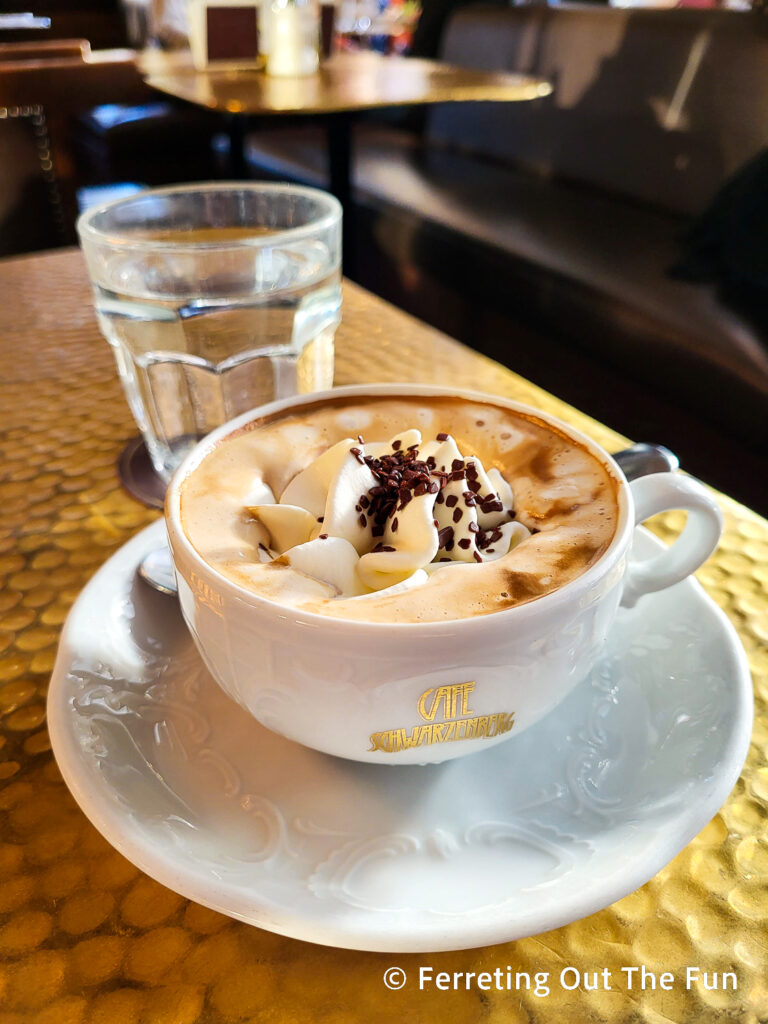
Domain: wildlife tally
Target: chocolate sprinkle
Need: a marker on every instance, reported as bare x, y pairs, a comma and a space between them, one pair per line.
491, 504
323, 536
402, 476
444, 535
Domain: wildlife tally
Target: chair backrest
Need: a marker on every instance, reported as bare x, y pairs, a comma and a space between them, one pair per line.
29, 207
45, 48
658, 105
56, 86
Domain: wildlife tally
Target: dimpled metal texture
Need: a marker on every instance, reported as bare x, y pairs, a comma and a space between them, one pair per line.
86, 937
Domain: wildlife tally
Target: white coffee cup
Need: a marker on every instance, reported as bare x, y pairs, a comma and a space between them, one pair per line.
414, 693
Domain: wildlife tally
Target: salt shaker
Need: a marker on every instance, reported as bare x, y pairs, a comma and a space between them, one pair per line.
292, 28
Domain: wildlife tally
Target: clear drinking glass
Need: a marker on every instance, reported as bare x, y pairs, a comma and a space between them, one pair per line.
215, 298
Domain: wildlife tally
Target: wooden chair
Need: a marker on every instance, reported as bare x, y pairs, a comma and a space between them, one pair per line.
45, 85
44, 49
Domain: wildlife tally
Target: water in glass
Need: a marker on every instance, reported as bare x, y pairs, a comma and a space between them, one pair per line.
261, 329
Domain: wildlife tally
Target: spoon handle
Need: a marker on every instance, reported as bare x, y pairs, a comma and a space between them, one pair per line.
644, 459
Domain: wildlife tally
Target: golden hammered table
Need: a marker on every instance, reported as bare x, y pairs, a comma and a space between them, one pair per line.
86, 937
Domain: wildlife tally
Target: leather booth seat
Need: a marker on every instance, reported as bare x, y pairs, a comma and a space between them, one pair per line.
155, 143
551, 226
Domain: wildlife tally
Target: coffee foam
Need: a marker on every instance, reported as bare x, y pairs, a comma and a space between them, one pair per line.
560, 489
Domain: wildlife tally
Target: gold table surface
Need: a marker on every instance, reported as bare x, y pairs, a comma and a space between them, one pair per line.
86, 937
345, 82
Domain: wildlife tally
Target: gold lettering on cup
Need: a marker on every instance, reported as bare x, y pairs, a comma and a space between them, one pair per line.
449, 697
206, 594
451, 704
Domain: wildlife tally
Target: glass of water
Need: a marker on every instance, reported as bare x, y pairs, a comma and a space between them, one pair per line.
215, 298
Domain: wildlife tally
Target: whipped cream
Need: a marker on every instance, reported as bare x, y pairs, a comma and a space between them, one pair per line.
369, 518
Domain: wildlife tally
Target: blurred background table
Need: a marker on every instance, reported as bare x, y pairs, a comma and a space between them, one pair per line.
346, 82
86, 938
345, 85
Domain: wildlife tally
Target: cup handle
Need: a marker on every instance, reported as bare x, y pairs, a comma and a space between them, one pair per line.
661, 492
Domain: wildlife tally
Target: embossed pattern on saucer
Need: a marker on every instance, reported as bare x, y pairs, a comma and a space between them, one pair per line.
553, 825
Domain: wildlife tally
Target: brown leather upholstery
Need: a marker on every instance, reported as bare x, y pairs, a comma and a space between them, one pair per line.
27, 199
659, 106
154, 143
60, 81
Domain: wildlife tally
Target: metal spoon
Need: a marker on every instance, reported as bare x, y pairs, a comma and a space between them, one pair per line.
156, 568
644, 459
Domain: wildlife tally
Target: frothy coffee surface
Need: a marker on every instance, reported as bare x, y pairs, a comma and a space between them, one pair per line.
560, 494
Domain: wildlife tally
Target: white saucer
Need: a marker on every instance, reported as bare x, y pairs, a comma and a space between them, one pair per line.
548, 827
